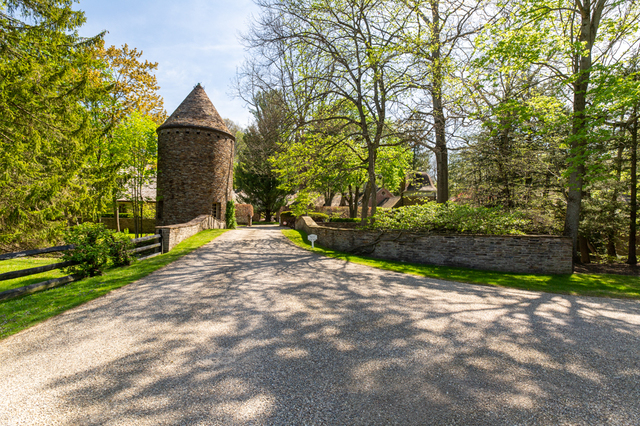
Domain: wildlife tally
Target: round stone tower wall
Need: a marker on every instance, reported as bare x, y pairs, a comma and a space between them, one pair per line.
195, 174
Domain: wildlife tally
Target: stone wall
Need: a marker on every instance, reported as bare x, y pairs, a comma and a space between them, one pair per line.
172, 235
244, 214
509, 253
148, 225
194, 173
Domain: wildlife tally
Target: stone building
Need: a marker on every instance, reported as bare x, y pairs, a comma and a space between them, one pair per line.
195, 162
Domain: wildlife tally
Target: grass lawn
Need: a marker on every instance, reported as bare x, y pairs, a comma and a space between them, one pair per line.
26, 263
18, 314
620, 286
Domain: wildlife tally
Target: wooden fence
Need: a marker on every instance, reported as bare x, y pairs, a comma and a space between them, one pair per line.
142, 245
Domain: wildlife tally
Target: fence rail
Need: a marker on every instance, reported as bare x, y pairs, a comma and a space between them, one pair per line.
56, 282
9, 256
33, 271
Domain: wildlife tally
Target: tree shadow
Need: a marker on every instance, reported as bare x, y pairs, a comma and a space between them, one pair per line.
255, 331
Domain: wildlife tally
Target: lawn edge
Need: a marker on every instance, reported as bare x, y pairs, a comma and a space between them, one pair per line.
144, 274
379, 264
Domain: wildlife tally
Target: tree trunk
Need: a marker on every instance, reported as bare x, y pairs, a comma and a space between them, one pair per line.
354, 195
584, 250
370, 192
588, 30
343, 199
365, 202
633, 202
611, 235
441, 151
116, 213
267, 215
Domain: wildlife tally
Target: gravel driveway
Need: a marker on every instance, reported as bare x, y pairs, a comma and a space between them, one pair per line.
253, 330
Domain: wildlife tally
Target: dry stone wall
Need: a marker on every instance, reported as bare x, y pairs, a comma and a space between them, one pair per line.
172, 235
518, 254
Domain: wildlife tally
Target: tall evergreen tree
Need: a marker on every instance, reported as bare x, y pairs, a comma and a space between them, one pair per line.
254, 177
45, 129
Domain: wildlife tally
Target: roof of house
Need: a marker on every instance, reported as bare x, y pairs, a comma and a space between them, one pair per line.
148, 192
420, 182
390, 203
196, 111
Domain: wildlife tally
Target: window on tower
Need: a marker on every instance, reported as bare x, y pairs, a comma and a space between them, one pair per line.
216, 210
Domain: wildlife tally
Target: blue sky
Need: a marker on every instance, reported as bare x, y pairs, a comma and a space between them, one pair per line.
193, 41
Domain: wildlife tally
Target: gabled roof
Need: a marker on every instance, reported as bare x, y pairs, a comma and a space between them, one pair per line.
148, 192
420, 182
196, 111
390, 203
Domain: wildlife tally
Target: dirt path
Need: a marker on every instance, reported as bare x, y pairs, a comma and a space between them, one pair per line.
252, 330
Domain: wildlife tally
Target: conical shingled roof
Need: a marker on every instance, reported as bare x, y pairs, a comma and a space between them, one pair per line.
196, 111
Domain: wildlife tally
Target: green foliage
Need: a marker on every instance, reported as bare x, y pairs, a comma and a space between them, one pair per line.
253, 176
92, 249
45, 127
302, 205
119, 246
96, 248
135, 145
24, 312
60, 97
452, 218
319, 217
230, 215
344, 219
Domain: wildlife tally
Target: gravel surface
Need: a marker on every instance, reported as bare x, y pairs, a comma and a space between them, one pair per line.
253, 330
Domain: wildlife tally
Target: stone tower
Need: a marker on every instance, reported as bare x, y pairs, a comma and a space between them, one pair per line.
195, 162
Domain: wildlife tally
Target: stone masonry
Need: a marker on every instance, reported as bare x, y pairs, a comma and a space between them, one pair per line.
195, 162
526, 254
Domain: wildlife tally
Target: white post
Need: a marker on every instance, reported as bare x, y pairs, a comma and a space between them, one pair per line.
312, 238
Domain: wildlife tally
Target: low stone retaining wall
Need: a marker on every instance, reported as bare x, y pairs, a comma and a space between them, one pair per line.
172, 235
509, 253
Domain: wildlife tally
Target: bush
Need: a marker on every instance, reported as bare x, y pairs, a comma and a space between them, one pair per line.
344, 219
230, 215
319, 217
120, 245
453, 218
92, 249
95, 248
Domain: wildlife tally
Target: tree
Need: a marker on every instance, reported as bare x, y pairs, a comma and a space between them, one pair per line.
236, 130
45, 85
134, 86
444, 31
573, 41
253, 175
132, 90
346, 55
137, 137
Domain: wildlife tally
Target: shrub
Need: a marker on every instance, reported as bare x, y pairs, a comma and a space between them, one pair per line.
344, 219
452, 218
230, 215
302, 204
93, 248
120, 244
319, 217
